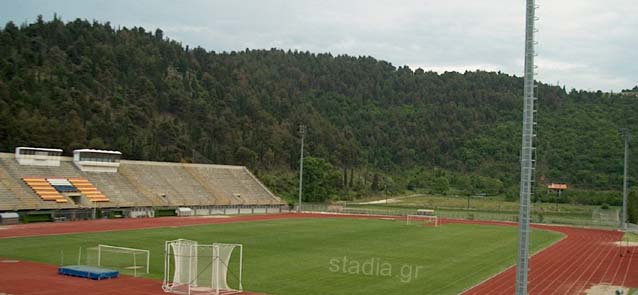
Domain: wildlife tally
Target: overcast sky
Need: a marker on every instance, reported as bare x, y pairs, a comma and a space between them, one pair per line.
583, 44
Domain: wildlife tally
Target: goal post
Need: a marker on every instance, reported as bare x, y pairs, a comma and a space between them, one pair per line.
431, 220
127, 260
193, 268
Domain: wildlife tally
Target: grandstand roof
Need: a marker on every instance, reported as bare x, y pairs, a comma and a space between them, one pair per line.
97, 151
38, 149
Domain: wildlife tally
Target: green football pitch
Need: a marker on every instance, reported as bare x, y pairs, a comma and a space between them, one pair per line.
322, 256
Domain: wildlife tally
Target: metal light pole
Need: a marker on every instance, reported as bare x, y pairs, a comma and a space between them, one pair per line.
623, 223
527, 151
302, 132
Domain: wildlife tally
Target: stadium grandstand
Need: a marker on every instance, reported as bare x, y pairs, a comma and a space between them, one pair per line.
99, 182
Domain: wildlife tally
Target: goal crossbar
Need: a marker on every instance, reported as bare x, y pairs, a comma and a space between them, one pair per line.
101, 249
410, 218
193, 268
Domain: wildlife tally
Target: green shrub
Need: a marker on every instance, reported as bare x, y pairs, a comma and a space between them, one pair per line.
165, 212
37, 217
115, 214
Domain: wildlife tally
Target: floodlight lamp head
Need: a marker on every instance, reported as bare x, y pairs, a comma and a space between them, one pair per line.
302, 129
625, 133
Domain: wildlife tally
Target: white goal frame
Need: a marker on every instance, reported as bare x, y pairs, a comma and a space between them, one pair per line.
421, 219
101, 249
193, 268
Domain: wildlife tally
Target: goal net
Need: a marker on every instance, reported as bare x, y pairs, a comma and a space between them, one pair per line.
424, 220
606, 216
129, 261
193, 268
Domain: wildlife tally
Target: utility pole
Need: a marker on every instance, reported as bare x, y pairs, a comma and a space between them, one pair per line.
527, 151
623, 223
302, 132
94, 210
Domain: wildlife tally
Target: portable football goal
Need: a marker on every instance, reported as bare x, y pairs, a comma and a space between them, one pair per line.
128, 261
425, 220
193, 268
606, 216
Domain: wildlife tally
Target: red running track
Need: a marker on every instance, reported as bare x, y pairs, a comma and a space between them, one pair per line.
42, 279
101, 225
25, 277
583, 258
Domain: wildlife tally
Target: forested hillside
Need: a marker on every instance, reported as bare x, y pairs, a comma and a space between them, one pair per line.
372, 125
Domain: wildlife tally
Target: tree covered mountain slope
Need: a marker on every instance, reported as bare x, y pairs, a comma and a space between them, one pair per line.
88, 84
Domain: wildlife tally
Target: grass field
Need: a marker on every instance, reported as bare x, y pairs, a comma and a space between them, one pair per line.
630, 237
496, 208
323, 256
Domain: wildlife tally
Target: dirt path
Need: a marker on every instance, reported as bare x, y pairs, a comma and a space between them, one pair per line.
388, 201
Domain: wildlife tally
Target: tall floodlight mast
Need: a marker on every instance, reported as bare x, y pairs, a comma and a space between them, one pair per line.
527, 151
623, 223
302, 132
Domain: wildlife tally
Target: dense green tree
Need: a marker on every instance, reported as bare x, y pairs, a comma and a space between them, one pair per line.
632, 207
321, 180
88, 84
440, 185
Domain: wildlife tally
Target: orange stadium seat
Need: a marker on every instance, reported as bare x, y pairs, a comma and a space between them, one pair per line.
44, 189
88, 189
